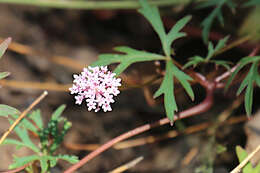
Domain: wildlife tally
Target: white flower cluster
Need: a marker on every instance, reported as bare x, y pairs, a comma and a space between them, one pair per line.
98, 86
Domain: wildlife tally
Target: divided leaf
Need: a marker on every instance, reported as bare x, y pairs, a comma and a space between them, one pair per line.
58, 112
212, 51
151, 13
6, 110
23, 135
36, 117
216, 13
68, 158
131, 56
21, 161
167, 88
248, 82
196, 60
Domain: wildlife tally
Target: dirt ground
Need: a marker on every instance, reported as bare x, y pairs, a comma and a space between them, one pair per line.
81, 36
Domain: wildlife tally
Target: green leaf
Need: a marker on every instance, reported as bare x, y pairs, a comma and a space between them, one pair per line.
44, 164
257, 168
216, 13
249, 98
166, 88
53, 161
14, 142
175, 34
4, 46
152, 14
6, 110
242, 154
249, 80
26, 124
196, 60
58, 112
193, 61
225, 64
251, 3
23, 135
258, 81
68, 158
36, 117
207, 4
131, 56
21, 161
4, 74
183, 79
221, 148
212, 51
244, 61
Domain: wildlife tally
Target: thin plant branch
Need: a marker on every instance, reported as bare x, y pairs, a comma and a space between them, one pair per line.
23, 114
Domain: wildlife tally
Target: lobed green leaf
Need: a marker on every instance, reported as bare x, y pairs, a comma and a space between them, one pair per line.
248, 82
23, 135
183, 79
57, 113
167, 88
193, 61
152, 14
4, 74
216, 13
6, 110
68, 158
21, 161
131, 56
36, 117
242, 154
26, 124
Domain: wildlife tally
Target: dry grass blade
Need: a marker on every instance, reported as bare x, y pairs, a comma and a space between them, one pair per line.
127, 165
23, 114
4, 45
189, 156
36, 85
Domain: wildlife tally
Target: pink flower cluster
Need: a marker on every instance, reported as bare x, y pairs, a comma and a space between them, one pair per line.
98, 86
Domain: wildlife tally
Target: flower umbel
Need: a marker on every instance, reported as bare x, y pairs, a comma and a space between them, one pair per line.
98, 86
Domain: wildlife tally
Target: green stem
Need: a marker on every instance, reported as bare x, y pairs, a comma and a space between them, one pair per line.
88, 5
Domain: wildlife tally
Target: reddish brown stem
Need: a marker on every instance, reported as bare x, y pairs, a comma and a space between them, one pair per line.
200, 108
